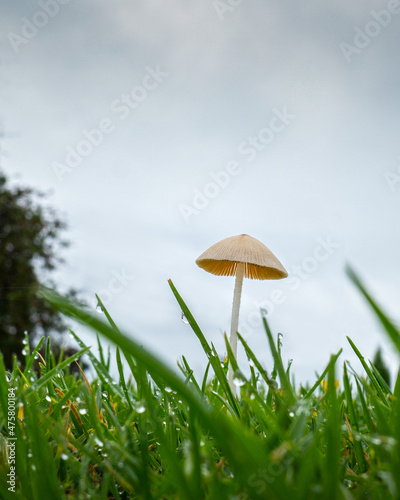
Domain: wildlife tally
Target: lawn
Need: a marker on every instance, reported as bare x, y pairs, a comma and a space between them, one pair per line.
156, 434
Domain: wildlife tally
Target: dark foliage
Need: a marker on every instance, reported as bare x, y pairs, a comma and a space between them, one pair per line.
381, 366
30, 246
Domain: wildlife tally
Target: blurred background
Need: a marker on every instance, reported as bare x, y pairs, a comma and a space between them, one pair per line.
160, 128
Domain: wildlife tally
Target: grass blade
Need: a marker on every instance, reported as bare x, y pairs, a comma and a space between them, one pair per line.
287, 387
389, 327
371, 376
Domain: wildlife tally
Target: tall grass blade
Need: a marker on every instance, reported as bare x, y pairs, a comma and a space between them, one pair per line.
389, 327
353, 422
371, 376
286, 385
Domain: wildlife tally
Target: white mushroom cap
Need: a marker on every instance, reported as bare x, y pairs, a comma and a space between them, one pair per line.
223, 257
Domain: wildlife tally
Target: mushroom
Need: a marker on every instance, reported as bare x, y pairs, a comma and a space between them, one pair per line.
240, 256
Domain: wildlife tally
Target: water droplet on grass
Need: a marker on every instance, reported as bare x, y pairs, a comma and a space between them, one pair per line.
83, 411
291, 414
184, 319
238, 378
48, 398
168, 389
99, 309
99, 443
141, 408
376, 441
64, 456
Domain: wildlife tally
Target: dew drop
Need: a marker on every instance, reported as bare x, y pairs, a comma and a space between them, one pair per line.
64, 456
168, 389
99, 309
99, 443
238, 381
291, 414
251, 363
83, 411
48, 398
141, 408
33, 467
238, 378
184, 319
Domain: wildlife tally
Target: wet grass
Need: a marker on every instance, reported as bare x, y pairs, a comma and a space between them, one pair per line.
155, 434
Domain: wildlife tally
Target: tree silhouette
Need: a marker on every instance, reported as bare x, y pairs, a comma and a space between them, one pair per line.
30, 246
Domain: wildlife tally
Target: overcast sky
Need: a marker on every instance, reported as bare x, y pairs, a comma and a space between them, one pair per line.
163, 127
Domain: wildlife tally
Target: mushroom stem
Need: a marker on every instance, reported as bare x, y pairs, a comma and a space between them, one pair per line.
235, 317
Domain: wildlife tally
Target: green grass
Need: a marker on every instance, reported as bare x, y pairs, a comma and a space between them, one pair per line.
157, 435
